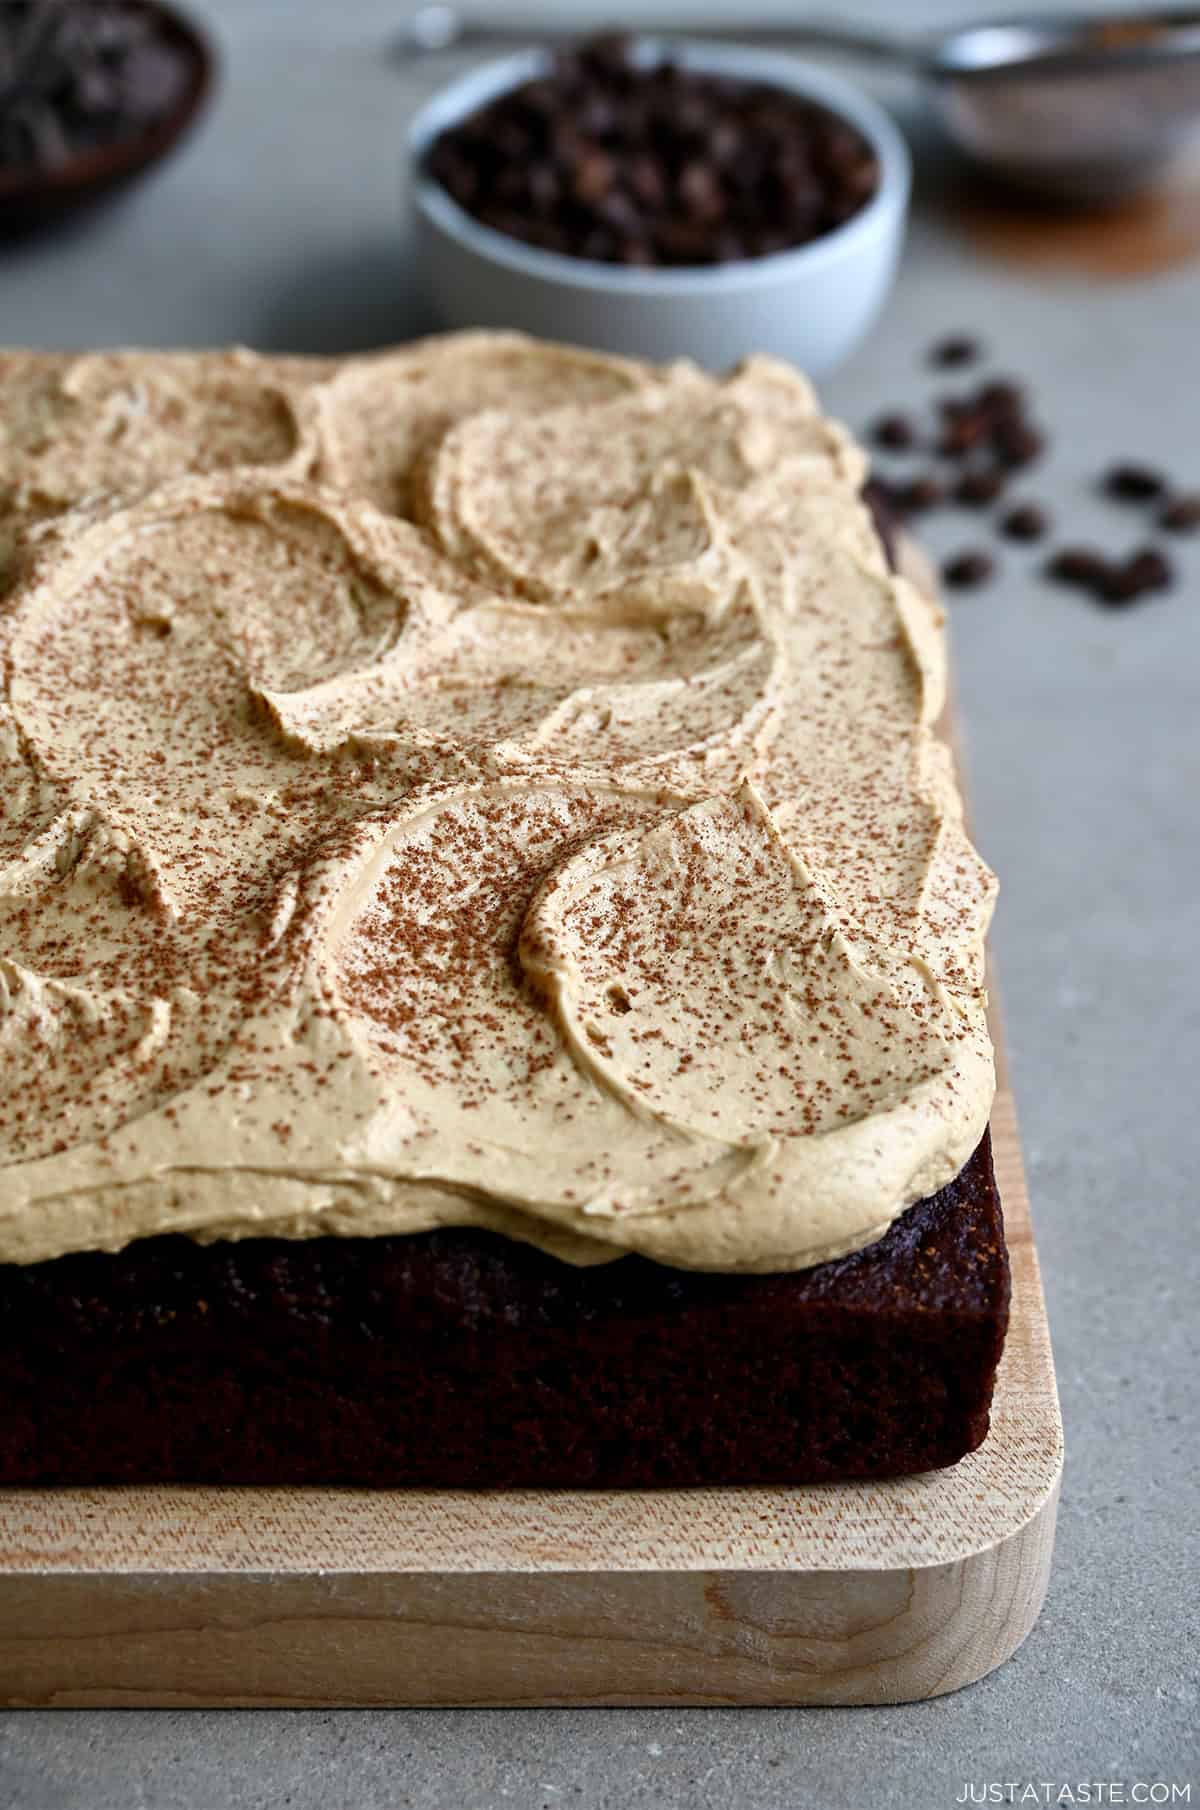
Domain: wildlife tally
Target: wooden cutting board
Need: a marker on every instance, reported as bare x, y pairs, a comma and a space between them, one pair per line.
833, 1593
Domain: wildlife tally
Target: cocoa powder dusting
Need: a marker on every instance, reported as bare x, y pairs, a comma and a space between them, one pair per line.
486, 783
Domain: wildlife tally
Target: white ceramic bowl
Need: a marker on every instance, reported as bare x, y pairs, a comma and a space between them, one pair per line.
812, 305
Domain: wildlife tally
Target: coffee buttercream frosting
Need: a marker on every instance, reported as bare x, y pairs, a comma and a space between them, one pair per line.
484, 784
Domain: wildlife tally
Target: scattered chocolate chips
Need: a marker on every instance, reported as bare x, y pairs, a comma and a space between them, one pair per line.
976, 489
955, 349
993, 418
76, 75
1114, 582
895, 433
607, 159
989, 433
1026, 522
1133, 483
966, 570
1181, 515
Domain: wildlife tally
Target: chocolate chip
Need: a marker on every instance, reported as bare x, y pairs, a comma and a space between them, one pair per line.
1001, 399
963, 432
1017, 444
894, 432
1151, 568
1182, 514
617, 212
1138, 576
1118, 586
955, 349
921, 494
636, 252
699, 190
457, 175
593, 176
607, 53
993, 415
683, 242
1082, 566
968, 569
976, 489
600, 245
542, 185
646, 181
1112, 581
1133, 483
1025, 522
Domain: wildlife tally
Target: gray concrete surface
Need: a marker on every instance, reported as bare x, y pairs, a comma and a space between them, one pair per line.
279, 225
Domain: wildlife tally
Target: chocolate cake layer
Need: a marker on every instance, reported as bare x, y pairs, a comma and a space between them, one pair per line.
461, 1359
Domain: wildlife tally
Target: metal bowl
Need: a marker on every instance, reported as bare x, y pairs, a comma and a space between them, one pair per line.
1080, 109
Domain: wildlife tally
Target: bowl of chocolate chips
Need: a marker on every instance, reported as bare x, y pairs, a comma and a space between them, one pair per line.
92, 93
661, 199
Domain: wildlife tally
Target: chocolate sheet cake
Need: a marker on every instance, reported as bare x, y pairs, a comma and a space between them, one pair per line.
490, 960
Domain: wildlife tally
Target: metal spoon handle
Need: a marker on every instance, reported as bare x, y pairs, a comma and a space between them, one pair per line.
433, 28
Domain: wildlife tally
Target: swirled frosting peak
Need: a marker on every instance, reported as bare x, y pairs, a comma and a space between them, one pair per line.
482, 784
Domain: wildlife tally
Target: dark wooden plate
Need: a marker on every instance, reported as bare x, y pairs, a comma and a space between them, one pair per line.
32, 198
